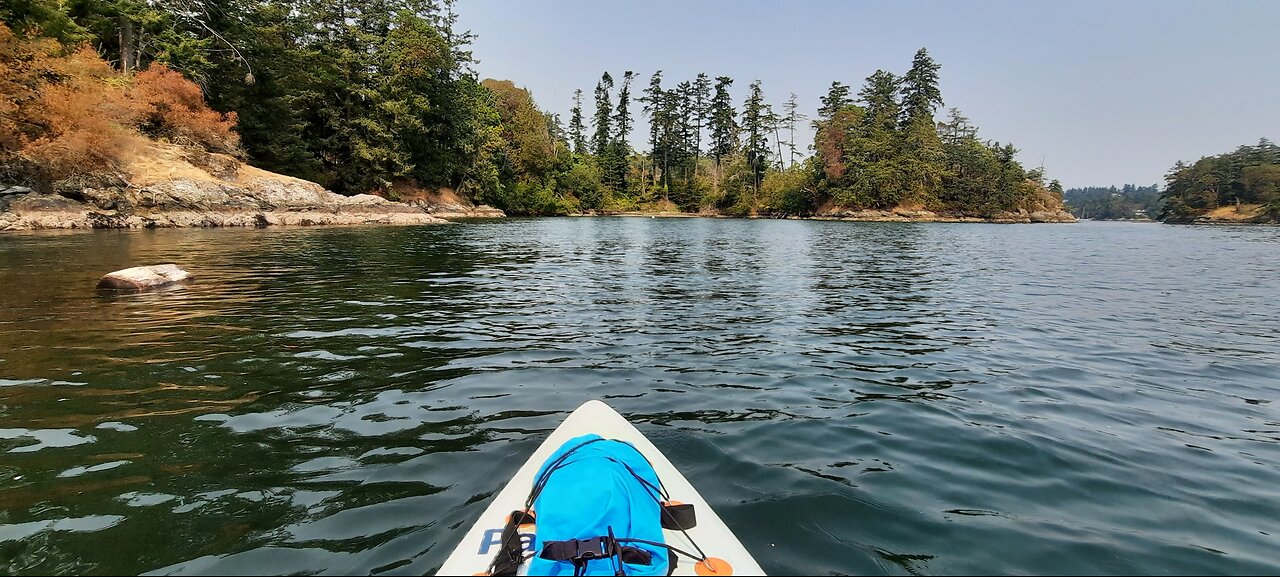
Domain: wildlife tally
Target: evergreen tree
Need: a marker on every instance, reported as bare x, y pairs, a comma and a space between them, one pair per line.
622, 117
957, 128
615, 165
837, 98
755, 127
604, 112
923, 154
723, 121
49, 17
877, 154
653, 98
685, 117
920, 93
680, 149
880, 99
577, 132
702, 110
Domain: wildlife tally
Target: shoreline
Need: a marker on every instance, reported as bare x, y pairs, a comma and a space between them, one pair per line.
920, 216
172, 186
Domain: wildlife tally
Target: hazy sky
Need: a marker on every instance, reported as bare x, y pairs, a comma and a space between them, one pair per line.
1105, 92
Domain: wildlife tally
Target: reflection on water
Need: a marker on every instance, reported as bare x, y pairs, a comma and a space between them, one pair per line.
852, 398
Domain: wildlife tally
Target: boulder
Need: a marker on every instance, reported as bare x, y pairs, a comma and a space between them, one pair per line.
36, 202
1051, 216
144, 277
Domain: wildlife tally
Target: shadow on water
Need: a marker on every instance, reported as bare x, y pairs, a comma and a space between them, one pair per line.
851, 398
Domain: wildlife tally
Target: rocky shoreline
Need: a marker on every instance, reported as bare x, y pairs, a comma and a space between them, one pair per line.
1244, 214
40, 211
172, 187
895, 215
906, 215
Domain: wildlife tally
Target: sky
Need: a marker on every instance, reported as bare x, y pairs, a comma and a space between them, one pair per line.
1099, 92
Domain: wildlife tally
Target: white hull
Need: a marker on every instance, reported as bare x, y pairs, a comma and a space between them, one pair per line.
473, 554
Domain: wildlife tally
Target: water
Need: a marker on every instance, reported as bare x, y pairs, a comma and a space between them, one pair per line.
851, 398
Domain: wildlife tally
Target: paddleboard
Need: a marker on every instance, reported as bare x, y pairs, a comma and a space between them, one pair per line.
480, 544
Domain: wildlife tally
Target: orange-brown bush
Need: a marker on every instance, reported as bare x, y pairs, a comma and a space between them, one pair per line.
66, 112
63, 112
85, 115
23, 65
174, 107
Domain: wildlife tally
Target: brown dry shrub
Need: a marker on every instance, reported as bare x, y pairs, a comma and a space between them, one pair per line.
87, 131
23, 65
65, 112
174, 107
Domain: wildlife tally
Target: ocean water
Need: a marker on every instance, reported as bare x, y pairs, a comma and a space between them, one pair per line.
852, 398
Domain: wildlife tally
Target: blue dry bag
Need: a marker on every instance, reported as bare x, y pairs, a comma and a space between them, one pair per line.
588, 489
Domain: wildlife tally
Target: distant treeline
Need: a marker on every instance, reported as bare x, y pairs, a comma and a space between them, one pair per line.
382, 97
878, 149
1110, 203
1248, 176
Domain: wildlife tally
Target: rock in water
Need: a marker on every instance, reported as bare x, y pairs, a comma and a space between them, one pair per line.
144, 277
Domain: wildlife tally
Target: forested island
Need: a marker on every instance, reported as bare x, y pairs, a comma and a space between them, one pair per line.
1242, 186
1239, 187
268, 105
1128, 202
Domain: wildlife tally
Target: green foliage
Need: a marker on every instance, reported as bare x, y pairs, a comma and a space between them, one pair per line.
790, 192
723, 120
604, 116
135, 32
371, 96
530, 150
1248, 175
614, 161
920, 93
755, 126
1110, 203
532, 199
45, 17
577, 132
700, 99
836, 99
582, 180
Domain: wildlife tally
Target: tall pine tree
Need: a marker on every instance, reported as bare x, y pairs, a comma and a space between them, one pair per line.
702, 110
920, 93
653, 97
604, 117
619, 148
922, 148
577, 132
723, 122
755, 128
837, 97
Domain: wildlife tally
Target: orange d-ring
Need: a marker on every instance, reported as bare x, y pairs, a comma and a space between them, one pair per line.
713, 566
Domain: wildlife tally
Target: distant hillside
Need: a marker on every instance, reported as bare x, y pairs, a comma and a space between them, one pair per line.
1245, 182
1130, 202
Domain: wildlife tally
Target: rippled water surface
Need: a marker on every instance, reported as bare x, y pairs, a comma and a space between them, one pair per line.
850, 397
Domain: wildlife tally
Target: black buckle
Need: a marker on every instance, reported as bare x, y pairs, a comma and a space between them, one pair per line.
581, 556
